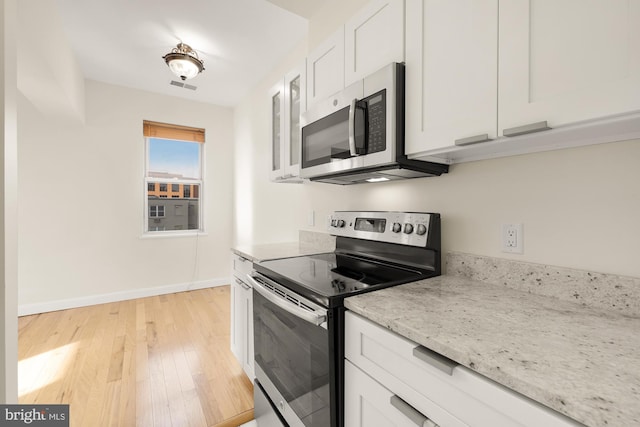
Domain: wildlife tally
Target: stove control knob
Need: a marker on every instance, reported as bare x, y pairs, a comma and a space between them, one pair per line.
333, 222
421, 229
408, 228
340, 223
396, 227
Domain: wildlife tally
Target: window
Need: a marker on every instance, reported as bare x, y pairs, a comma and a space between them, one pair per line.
156, 211
173, 174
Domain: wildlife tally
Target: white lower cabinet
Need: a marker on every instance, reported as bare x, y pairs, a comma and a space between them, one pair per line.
369, 404
392, 381
241, 338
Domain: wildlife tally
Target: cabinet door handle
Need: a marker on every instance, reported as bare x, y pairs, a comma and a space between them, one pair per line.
530, 128
473, 139
434, 359
410, 412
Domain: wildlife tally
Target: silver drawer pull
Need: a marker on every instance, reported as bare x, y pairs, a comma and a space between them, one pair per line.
434, 359
410, 412
241, 283
530, 128
473, 139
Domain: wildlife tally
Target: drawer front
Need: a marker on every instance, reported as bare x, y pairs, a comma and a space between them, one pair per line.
241, 266
369, 404
429, 384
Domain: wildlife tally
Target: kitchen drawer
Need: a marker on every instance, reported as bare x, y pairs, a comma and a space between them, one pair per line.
369, 404
241, 266
428, 381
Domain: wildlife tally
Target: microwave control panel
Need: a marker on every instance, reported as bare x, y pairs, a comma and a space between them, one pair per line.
376, 121
406, 228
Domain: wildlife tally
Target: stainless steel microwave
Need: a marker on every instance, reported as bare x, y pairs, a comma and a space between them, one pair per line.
357, 135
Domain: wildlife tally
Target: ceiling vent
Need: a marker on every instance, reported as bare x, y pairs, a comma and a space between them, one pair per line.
184, 85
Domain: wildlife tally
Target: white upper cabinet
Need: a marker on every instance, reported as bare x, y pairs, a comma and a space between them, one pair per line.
373, 38
325, 68
288, 101
484, 76
565, 61
370, 40
451, 73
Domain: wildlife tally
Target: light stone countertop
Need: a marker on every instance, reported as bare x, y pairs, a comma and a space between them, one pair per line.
582, 361
309, 243
257, 253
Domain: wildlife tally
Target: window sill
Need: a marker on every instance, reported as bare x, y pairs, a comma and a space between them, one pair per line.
169, 234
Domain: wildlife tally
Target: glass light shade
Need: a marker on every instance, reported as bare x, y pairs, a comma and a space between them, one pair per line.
184, 62
183, 67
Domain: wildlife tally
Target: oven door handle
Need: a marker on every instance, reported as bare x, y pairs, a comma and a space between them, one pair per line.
301, 313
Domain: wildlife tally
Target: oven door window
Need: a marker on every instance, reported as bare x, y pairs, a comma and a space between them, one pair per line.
294, 354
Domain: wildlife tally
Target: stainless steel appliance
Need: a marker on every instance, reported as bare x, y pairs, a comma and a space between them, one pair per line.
299, 310
357, 135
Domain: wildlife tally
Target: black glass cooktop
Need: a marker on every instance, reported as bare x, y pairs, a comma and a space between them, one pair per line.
329, 277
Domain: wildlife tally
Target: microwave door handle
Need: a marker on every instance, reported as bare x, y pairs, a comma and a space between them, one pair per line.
352, 126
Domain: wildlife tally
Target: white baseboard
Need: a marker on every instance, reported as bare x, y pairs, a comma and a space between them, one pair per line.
43, 307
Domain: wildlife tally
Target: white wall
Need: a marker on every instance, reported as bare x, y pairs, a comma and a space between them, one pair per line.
82, 199
580, 207
49, 75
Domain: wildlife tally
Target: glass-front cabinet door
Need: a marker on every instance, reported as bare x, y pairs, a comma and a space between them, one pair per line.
276, 131
295, 105
288, 102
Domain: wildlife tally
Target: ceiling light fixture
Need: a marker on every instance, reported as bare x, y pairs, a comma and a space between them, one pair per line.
184, 62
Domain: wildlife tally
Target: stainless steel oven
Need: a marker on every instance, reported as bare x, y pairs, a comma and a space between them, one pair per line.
292, 353
298, 308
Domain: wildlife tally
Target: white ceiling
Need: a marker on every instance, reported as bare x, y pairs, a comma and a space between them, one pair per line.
122, 41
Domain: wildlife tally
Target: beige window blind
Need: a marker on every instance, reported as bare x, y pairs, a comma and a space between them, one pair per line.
169, 131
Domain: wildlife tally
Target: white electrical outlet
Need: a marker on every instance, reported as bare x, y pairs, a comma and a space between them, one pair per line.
512, 238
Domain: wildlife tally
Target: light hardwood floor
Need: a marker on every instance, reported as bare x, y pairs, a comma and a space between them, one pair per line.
157, 361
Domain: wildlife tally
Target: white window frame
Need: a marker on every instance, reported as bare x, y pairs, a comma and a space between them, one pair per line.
200, 182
